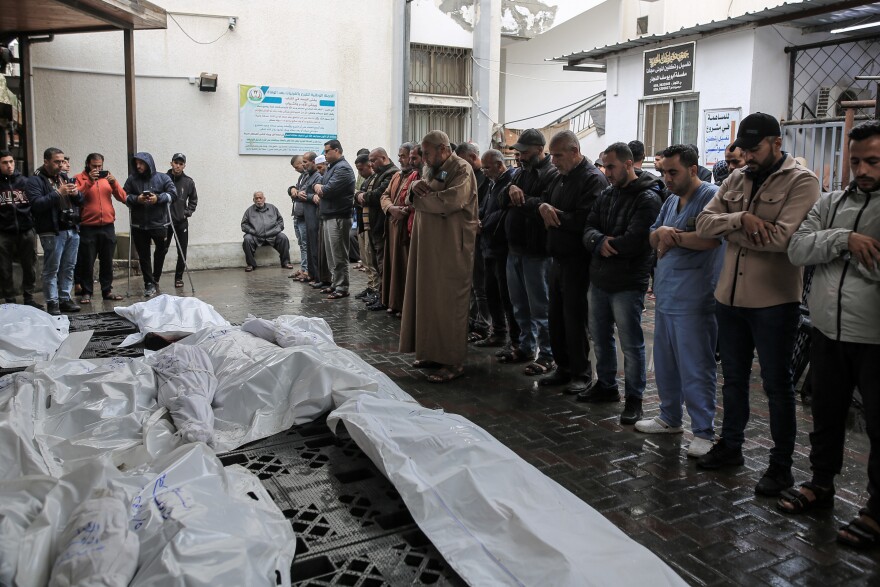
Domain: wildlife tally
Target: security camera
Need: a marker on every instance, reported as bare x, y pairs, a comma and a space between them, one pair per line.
232, 22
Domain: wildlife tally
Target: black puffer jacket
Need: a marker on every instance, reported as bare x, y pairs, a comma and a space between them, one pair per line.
525, 230
573, 194
15, 209
149, 216
493, 238
51, 211
373, 195
623, 215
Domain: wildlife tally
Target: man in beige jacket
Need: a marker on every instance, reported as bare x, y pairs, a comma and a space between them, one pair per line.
756, 211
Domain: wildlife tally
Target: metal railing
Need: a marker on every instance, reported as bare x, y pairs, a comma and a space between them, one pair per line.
821, 144
440, 70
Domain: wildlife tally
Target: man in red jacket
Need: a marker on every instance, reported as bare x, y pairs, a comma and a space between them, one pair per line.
97, 231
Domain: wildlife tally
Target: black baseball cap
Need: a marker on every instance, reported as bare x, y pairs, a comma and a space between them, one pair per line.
754, 128
178, 157
530, 138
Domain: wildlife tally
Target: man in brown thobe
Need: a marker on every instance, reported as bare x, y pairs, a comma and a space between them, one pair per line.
441, 259
396, 228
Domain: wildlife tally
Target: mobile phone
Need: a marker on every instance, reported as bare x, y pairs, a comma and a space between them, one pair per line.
71, 180
103, 173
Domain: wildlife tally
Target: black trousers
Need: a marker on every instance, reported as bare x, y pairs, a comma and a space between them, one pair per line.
478, 312
836, 368
279, 242
323, 273
141, 239
313, 231
498, 298
569, 281
377, 242
96, 242
21, 247
182, 230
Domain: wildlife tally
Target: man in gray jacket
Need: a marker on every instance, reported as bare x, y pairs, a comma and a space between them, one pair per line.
262, 224
841, 238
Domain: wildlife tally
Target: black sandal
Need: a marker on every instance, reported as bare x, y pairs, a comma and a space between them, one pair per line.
866, 536
541, 366
824, 499
514, 356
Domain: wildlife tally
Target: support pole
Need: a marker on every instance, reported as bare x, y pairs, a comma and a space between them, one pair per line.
130, 105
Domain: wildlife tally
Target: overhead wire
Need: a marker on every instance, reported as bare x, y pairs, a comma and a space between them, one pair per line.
226, 32
537, 79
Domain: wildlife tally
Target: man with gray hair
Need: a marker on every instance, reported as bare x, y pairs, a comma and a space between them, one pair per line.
439, 269
262, 224
336, 196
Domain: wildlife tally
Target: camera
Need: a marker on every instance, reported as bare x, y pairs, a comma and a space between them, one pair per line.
70, 216
103, 173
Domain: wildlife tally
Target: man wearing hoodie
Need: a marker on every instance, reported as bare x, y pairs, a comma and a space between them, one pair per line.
97, 230
18, 241
617, 235
840, 238
182, 208
150, 194
55, 205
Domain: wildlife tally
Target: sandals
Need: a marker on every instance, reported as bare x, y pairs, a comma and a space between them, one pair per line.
178, 283
541, 366
295, 275
112, 297
304, 278
800, 503
514, 356
865, 535
476, 337
248, 269
287, 266
446, 374
424, 364
337, 295
328, 290
86, 299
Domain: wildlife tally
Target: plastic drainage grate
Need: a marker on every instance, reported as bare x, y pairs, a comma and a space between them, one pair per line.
352, 527
105, 323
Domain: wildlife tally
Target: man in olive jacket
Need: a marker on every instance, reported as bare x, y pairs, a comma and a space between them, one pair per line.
756, 211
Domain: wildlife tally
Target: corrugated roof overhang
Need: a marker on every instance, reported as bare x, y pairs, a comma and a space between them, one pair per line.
36, 17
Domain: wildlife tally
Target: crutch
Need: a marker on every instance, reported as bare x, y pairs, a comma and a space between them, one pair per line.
180, 251
128, 277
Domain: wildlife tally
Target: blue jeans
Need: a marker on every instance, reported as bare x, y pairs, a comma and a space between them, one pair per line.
623, 308
530, 297
684, 363
59, 261
299, 227
773, 331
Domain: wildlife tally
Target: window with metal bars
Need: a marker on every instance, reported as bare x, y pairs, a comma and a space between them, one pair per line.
823, 76
668, 121
452, 120
440, 70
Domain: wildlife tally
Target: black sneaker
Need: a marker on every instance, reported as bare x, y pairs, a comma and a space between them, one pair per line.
52, 308
376, 306
33, 304
149, 290
598, 394
9, 301
775, 480
364, 293
556, 378
721, 455
68, 306
578, 386
632, 410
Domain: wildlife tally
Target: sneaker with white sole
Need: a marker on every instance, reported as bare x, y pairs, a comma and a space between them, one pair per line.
656, 425
699, 447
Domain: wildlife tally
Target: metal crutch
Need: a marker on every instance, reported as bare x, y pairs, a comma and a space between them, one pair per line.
128, 278
180, 251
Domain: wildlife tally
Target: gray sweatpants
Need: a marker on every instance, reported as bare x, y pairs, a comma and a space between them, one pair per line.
336, 243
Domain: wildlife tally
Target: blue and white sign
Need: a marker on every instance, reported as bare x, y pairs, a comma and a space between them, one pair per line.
285, 121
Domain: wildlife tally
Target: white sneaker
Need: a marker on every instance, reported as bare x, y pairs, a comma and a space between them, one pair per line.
699, 447
656, 425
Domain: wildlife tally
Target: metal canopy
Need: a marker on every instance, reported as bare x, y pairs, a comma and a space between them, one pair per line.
812, 15
71, 16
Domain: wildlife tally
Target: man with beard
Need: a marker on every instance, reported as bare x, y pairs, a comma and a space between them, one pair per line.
385, 171
18, 241
435, 310
840, 238
149, 194
397, 226
617, 232
181, 210
336, 194
527, 261
759, 292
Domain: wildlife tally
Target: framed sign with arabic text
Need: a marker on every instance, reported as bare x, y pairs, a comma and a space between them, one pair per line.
669, 70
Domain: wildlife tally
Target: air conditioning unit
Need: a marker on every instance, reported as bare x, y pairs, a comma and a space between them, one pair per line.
829, 98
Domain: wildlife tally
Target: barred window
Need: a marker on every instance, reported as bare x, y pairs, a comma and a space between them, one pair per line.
450, 119
440, 70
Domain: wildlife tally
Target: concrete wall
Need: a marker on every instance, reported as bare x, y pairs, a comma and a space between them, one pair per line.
276, 42
532, 86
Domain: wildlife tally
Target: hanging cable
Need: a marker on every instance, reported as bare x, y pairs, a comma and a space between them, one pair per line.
226, 32
537, 79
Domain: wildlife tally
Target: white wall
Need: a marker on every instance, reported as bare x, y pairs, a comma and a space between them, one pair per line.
276, 42
430, 25
524, 92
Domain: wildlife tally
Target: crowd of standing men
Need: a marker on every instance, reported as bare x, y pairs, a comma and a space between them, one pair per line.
547, 259
74, 218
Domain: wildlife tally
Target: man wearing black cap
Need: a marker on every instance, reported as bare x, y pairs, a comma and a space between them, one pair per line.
181, 209
528, 264
757, 210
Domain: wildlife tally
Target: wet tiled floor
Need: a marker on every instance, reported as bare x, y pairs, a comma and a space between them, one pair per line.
709, 526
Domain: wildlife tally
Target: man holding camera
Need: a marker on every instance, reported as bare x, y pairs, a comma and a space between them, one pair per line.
150, 194
97, 231
55, 203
